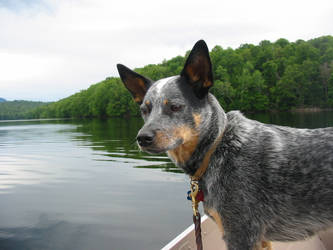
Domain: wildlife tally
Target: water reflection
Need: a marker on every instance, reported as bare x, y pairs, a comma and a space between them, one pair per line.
84, 185
296, 119
117, 137
25, 150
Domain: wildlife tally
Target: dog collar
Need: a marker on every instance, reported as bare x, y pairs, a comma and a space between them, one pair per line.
205, 162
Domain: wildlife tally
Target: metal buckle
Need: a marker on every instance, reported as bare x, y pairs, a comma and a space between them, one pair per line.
194, 192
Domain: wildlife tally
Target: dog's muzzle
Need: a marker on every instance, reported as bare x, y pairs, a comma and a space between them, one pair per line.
145, 139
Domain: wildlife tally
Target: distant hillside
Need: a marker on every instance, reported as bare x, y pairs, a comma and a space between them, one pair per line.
2, 99
10, 110
278, 75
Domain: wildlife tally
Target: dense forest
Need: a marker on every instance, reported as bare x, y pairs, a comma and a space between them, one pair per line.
278, 75
10, 110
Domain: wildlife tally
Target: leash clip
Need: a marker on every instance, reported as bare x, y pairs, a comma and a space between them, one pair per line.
194, 193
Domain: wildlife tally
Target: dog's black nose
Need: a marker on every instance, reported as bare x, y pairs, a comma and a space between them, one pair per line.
145, 139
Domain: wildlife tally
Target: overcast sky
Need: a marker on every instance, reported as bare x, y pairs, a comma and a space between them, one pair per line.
50, 49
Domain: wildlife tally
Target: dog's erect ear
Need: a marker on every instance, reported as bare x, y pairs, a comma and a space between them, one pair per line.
134, 82
198, 69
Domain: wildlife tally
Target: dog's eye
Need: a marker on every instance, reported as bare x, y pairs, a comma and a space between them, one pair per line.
144, 111
175, 108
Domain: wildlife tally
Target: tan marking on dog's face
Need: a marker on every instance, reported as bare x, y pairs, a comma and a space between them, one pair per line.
197, 119
147, 103
138, 99
190, 139
207, 84
165, 101
162, 140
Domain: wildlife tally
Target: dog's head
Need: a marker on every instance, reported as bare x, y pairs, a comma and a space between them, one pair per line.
174, 109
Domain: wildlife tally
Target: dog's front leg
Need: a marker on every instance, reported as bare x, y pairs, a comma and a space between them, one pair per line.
266, 245
246, 237
248, 245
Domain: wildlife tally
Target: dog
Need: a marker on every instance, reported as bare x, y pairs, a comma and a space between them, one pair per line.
262, 182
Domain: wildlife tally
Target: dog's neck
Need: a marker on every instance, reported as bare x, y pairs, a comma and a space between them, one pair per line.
206, 159
209, 141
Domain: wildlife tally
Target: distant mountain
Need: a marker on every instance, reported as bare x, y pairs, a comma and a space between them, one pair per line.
2, 100
10, 110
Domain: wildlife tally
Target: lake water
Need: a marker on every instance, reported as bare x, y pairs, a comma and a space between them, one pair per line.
84, 185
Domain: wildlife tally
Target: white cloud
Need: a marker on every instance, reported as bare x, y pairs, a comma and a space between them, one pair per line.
52, 49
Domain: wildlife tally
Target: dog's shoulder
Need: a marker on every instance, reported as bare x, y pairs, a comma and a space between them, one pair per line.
239, 123
239, 128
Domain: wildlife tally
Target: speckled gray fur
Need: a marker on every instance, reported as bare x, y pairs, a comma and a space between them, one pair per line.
266, 182
270, 182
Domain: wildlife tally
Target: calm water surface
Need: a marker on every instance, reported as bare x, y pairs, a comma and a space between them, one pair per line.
84, 185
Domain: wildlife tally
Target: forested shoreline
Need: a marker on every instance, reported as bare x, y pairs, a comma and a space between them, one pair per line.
11, 110
278, 75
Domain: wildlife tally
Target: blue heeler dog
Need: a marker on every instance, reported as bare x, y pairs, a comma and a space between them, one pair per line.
262, 183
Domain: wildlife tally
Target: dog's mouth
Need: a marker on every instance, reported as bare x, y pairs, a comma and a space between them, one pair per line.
155, 149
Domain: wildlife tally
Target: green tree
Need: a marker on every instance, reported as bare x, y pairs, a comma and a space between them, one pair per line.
330, 91
251, 93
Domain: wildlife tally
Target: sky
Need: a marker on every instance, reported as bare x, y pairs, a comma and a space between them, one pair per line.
51, 49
